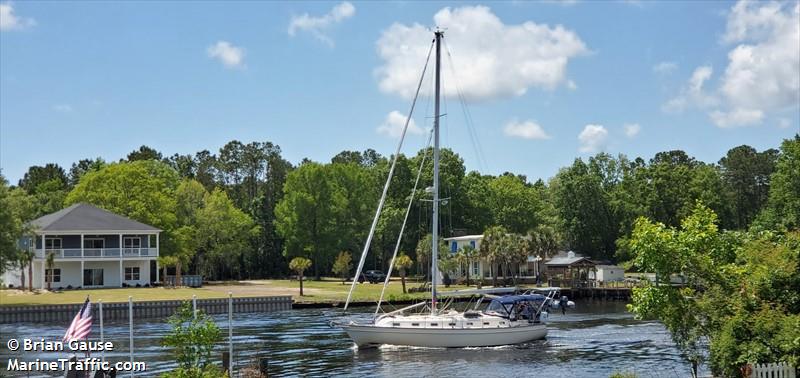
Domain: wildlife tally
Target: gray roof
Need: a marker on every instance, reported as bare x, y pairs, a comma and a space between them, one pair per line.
86, 217
568, 258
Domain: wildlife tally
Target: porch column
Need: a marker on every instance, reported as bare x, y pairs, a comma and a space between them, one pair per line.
83, 256
44, 256
121, 272
158, 253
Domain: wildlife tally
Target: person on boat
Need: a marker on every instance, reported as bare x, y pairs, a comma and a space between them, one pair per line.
527, 311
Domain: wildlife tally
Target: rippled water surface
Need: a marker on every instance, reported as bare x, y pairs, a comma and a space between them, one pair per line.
593, 340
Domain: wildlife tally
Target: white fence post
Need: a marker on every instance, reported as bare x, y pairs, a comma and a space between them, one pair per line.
773, 370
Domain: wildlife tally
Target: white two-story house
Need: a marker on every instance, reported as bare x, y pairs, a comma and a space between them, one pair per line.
92, 248
481, 267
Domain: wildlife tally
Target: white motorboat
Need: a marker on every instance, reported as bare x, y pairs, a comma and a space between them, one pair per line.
509, 319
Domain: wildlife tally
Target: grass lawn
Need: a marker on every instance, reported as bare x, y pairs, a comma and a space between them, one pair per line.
326, 290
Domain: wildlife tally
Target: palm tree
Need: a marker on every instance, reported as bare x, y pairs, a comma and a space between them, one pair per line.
300, 264
402, 263
467, 255
492, 248
49, 262
26, 258
446, 264
518, 252
424, 249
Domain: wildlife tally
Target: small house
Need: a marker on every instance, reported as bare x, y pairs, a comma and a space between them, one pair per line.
609, 273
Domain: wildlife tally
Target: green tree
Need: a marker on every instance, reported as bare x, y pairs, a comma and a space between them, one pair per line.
492, 248
584, 209
403, 262
746, 173
82, 167
447, 264
466, 255
143, 190
38, 175
12, 228
308, 216
144, 153
783, 205
299, 265
50, 261
343, 265
514, 203
424, 250
695, 251
192, 340
224, 234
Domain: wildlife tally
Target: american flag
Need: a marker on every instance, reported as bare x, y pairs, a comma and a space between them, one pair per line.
81, 325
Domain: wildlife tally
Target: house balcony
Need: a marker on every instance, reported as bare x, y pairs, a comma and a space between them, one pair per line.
97, 253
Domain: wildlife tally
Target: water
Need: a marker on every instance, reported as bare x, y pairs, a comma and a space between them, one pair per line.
593, 340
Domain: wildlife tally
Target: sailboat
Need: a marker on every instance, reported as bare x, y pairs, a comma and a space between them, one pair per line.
508, 319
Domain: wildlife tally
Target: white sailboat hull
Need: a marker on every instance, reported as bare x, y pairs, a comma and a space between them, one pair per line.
366, 335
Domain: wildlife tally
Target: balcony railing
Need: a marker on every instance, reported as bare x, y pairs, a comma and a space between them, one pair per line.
98, 253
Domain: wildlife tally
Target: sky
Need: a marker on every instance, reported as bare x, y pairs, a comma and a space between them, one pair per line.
528, 86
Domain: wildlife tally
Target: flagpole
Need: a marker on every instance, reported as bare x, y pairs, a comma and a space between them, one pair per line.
130, 328
102, 339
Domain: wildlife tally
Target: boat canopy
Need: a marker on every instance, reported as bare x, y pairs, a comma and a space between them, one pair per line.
511, 299
509, 305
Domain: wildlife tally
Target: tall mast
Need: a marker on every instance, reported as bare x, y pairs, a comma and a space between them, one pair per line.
435, 233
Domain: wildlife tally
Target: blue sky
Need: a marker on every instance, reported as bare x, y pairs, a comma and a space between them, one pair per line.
545, 82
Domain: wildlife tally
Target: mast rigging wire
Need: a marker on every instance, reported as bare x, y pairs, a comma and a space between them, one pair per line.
405, 219
388, 181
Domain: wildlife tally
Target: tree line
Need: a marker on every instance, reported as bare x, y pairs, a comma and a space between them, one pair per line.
245, 211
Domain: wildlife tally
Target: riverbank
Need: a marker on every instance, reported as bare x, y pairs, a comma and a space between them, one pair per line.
324, 292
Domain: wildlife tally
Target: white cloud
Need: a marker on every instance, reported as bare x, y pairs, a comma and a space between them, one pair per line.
318, 26
632, 129
63, 108
393, 125
491, 59
762, 71
665, 68
736, 117
231, 56
525, 130
592, 138
693, 94
10, 21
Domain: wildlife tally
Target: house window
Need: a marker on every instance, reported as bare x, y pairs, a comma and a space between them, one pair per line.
93, 277
131, 273
475, 268
472, 243
94, 243
132, 242
52, 275
454, 247
54, 243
